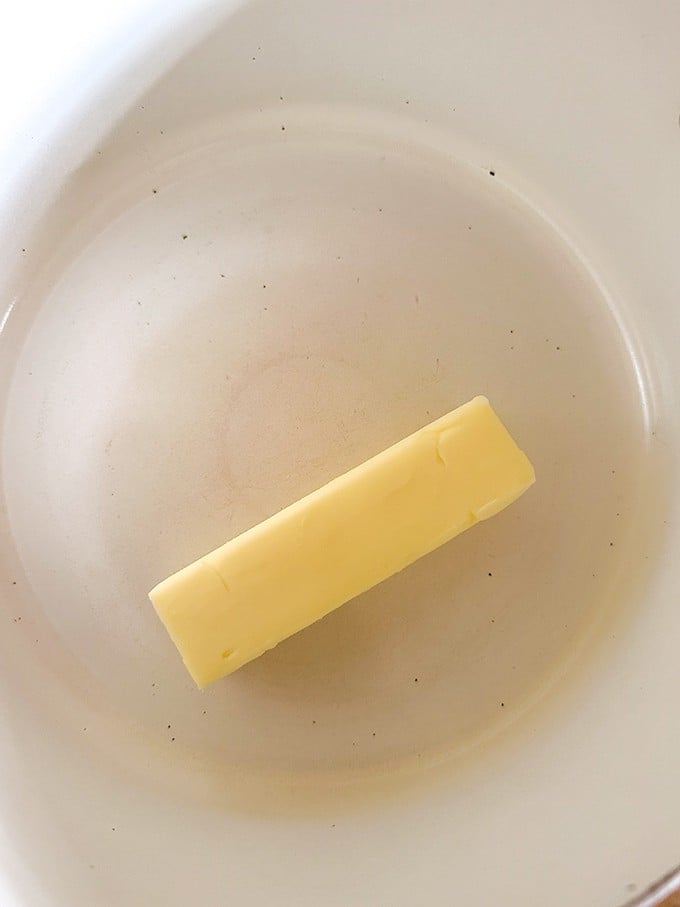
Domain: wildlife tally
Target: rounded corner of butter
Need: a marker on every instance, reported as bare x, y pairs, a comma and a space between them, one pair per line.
201, 680
156, 598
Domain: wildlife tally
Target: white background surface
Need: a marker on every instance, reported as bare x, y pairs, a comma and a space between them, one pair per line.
53, 54
41, 42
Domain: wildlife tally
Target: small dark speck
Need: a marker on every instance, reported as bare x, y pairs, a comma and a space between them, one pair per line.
253, 58
264, 286
23, 250
14, 582
185, 236
502, 705
222, 275
172, 739
265, 309
512, 347
91, 865
493, 620
280, 97
153, 684
169, 726
155, 191
406, 101
618, 514
415, 680
205, 712
283, 128
313, 720
573, 396
162, 132
84, 728
491, 574
333, 826
512, 330
380, 210
613, 472
492, 172
357, 280
557, 347
17, 620
631, 886
469, 227
611, 544
113, 828
374, 733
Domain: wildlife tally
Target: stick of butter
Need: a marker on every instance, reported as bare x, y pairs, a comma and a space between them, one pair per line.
294, 568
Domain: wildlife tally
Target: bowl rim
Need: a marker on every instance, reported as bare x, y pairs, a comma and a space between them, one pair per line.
656, 893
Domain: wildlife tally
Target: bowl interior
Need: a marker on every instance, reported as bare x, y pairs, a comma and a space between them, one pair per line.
233, 300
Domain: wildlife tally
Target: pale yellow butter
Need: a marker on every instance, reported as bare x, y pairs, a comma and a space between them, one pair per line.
282, 575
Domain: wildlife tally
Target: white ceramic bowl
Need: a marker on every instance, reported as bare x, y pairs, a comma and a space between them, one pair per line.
251, 245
